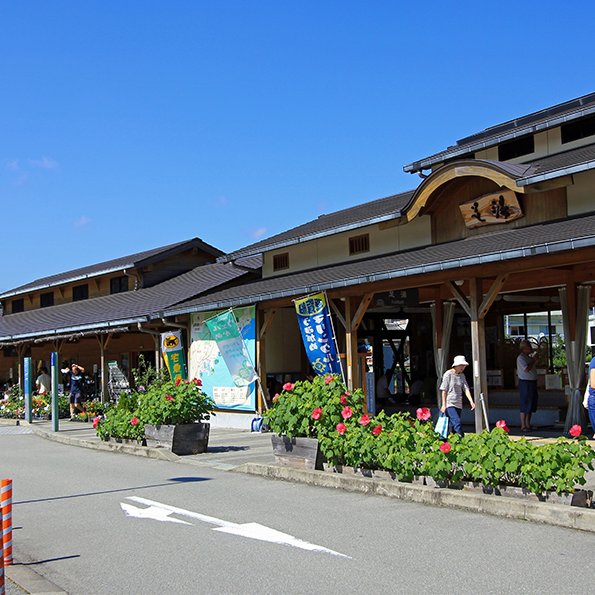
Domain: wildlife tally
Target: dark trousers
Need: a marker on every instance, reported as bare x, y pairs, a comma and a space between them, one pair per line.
454, 417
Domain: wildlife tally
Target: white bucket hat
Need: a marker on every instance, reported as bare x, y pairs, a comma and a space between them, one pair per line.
460, 361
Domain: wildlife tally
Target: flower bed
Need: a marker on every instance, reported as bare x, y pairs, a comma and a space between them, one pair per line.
409, 448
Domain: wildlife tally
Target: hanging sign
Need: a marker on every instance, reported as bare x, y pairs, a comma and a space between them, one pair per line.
224, 330
499, 207
172, 349
317, 333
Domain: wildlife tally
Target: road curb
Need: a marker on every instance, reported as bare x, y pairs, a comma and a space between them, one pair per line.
129, 449
31, 581
502, 506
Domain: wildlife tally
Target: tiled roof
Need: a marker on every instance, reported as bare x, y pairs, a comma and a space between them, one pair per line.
117, 264
382, 209
120, 308
489, 247
531, 123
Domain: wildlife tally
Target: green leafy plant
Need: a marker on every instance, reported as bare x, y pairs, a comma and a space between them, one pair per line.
179, 402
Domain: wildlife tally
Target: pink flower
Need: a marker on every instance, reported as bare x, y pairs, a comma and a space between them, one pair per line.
377, 430
96, 421
197, 381
341, 428
347, 393
445, 447
169, 397
343, 400
502, 424
178, 380
364, 420
288, 386
575, 431
346, 413
423, 413
328, 379
317, 413
134, 421
276, 398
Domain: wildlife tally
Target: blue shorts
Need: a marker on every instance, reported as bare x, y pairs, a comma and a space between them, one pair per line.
528, 395
76, 398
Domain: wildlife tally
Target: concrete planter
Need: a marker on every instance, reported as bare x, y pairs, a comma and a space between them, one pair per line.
299, 453
182, 439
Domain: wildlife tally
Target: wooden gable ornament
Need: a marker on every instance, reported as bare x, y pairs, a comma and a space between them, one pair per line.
490, 209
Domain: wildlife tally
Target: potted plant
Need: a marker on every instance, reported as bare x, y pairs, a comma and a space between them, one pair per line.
174, 414
306, 411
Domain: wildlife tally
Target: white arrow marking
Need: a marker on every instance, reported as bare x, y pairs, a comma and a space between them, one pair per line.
153, 512
250, 530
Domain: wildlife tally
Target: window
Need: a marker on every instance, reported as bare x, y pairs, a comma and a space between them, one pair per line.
46, 299
517, 330
18, 305
281, 261
118, 284
80, 292
578, 129
516, 148
359, 244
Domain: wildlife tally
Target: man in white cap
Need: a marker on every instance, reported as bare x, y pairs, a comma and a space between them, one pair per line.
453, 385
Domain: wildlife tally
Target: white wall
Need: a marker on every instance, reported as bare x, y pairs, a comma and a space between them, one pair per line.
580, 196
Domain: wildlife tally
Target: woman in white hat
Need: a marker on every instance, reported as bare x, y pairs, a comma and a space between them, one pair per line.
452, 387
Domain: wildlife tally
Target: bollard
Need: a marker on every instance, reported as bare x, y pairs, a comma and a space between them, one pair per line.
6, 505
2, 591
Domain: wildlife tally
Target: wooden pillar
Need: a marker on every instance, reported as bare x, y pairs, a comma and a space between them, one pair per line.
478, 349
20, 370
264, 319
103, 341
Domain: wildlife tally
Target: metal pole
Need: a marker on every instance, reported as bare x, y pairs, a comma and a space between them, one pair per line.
28, 370
55, 407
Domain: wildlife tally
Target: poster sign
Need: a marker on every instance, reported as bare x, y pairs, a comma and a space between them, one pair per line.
317, 334
173, 354
499, 207
207, 359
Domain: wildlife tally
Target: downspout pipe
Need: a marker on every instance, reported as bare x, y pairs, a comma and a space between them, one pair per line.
156, 338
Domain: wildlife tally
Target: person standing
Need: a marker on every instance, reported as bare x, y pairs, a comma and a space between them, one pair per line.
591, 399
454, 384
43, 382
526, 366
76, 389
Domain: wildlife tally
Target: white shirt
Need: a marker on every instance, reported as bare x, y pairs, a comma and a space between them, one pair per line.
43, 383
522, 361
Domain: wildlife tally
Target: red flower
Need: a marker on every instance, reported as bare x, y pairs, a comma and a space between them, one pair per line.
96, 421
134, 421
423, 413
328, 379
197, 381
178, 380
341, 428
346, 413
317, 413
364, 420
377, 430
343, 400
445, 447
575, 431
169, 397
502, 424
288, 386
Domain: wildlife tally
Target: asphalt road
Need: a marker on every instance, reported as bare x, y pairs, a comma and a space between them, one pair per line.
71, 527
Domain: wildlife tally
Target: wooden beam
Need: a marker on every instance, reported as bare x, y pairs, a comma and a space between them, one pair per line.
460, 297
491, 295
338, 313
268, 317
478, 349
361, 311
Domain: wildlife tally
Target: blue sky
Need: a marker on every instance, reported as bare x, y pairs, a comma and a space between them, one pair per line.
127, 125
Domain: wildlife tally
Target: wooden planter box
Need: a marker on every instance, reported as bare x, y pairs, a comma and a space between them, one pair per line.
182, 439
299, 453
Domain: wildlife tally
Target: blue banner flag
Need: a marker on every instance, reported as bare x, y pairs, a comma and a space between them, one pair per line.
224, 330
317, 333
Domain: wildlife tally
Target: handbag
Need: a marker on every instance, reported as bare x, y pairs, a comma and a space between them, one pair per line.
441, 427
586, 397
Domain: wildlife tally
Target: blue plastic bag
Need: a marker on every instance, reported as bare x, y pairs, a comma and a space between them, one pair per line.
441, 427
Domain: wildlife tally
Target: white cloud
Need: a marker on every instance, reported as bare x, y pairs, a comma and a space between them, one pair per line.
82, 221
44, 163
258, 233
